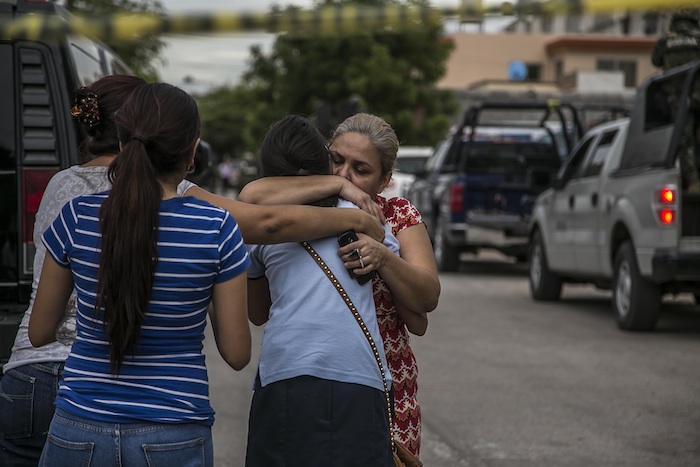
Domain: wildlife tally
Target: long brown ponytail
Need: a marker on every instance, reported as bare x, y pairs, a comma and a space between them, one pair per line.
158, 127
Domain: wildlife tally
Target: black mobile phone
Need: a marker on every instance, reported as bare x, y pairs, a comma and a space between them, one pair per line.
349, 237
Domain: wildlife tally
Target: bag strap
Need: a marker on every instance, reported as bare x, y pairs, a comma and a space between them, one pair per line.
363, 326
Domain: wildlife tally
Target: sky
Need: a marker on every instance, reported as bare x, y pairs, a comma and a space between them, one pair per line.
199, 62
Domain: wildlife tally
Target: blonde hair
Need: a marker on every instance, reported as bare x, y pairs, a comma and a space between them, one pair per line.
380, 134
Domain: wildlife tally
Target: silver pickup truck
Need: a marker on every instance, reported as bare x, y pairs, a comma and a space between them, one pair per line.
618, 216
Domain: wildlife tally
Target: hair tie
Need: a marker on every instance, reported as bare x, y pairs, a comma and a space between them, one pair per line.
86, 109
140, 138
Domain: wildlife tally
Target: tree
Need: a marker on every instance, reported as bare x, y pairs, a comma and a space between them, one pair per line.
389, 74
233, 118
139, 55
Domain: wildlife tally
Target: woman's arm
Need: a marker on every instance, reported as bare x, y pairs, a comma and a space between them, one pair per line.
55, 287
305, 190
288, 223
259, 301
229, 320
416, 323
411, 277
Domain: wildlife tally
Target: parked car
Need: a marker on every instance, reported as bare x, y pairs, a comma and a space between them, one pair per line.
38, 138
618, 216
476, 190
409, 161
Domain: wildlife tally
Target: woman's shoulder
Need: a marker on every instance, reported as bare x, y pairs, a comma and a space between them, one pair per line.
399, 212
202, 209
76, 180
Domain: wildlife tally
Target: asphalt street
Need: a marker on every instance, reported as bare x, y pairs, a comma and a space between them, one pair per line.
508, 382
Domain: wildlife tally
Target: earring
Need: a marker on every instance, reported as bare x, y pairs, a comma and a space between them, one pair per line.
190, 169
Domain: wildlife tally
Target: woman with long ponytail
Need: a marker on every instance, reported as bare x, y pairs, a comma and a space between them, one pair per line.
147, 264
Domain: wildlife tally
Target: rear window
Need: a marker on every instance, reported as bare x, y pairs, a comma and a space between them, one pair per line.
507, 158
409, 165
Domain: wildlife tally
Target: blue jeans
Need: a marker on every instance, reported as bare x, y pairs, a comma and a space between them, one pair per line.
76, 441
27, 395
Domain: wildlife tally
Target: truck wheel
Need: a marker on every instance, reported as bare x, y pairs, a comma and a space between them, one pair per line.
544, 284
636, 301
446, 255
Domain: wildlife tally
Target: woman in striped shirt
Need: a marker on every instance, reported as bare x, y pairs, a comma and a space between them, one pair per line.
146, 263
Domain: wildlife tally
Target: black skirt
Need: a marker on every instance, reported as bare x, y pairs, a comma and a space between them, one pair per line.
309, 422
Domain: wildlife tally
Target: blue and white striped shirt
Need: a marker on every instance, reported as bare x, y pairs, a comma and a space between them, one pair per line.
166, 380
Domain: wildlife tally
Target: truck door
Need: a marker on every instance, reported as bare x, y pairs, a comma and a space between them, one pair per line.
560, 253
587, 207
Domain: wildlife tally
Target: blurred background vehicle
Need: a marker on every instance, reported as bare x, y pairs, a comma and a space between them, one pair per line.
409, 161
476, 191
619, 214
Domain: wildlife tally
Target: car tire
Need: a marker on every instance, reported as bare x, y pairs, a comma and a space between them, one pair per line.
544, 284
446, 255
636, 301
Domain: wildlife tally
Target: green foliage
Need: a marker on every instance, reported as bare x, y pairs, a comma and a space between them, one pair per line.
391, 74
140, 55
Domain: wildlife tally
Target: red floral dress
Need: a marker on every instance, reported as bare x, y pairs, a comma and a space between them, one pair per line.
399, 214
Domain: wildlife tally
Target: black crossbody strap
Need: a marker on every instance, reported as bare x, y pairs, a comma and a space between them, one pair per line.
363, 326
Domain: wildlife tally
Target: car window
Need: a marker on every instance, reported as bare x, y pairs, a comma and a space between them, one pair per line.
600, 154
86, 57
573, 167
452, 158
435, 161
409, 165
657, 112
114, 64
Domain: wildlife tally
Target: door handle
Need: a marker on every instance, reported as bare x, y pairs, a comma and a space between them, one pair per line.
594, 199
572, 198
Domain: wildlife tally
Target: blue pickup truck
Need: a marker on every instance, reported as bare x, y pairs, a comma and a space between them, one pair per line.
477, 189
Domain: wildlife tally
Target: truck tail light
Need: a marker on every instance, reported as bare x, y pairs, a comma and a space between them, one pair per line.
34, 181
667, 195
665, 205
457, 198
667, 216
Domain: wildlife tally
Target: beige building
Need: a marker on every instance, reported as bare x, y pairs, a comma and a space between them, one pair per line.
562, 61
585, 58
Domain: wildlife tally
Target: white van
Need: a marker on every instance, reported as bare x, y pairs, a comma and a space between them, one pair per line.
409, 160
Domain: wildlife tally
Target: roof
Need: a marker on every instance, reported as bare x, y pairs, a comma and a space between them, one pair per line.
596, 43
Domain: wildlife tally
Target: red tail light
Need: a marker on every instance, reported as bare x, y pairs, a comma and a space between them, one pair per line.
34, 183
667, 216
457, 198
667, 195
665, 203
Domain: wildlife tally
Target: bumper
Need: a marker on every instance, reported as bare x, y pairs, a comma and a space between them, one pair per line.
676, 267
463, 235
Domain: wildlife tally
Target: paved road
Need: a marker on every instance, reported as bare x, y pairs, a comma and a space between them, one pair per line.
508, 382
